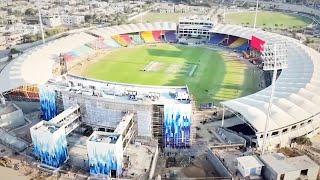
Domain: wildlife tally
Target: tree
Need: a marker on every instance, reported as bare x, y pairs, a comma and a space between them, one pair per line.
14, 51
30, 12
302, 140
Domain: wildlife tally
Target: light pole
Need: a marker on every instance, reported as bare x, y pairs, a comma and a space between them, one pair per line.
255, 17
40, 22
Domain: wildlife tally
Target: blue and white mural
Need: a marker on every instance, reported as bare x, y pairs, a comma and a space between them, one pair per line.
177, 125
47, 102
50, 145
105, 157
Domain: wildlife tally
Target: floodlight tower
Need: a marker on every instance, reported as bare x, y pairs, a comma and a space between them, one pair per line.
274, 58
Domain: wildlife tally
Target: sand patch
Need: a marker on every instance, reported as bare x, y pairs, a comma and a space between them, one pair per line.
153, 66
174, 68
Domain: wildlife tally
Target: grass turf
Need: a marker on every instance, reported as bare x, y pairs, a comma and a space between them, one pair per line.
268, 19
216, 78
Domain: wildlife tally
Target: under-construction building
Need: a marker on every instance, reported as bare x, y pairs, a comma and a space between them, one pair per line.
160, 112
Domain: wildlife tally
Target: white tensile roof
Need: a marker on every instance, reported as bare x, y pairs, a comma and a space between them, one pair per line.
35, 65
297, 93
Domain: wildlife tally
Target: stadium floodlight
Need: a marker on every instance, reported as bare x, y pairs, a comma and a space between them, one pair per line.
274, 58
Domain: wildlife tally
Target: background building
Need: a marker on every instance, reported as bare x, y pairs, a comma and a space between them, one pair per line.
249, 166
279, 167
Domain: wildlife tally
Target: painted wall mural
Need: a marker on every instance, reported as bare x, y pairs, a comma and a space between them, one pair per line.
177, 125
50, 146
47, 102
105, 158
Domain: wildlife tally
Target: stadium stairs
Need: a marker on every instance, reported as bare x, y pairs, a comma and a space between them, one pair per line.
170, 37
216, 39
147, 37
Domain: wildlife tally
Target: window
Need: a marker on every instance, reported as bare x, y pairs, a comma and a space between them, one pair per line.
275, 133
294, 127
282, 177
304, 172
284, 130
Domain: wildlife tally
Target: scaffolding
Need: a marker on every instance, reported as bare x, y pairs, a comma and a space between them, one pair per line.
157, 124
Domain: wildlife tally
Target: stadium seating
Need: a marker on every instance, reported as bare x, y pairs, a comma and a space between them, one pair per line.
111, 43
237, 43
170, 36
137, 39
120, 40
147, 36
229, 40
244, 47
127, 38
79, 52
217, 38
157, 35
96, 44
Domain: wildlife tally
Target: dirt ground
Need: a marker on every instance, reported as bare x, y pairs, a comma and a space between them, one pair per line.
199, 167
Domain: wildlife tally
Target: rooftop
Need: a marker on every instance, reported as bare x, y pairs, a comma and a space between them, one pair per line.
45, 127
281, 164
104, 137
250, 161
8, 108
195, 18
141, 94
123, 123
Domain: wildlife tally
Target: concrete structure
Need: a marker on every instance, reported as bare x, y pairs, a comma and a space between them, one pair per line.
52, 21
249, 166
72, 20
105, 154
11, 116
67, 20
49, 137
218, 164
103, 103
194, 27
279, 167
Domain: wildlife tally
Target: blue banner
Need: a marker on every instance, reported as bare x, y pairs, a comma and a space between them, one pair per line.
177, 125
47, 102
